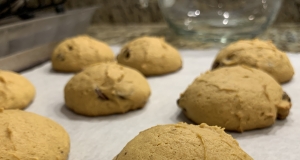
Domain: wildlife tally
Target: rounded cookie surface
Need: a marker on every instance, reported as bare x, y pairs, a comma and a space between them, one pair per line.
237, 98
106, 88
25, 135
16, 92
257, 54
183, 141
151, 56
74, 54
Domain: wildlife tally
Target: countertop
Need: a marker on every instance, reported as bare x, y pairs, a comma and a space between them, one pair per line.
285, 36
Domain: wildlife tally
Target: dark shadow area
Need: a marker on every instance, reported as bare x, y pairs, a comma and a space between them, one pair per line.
165, 75
278, 125
180, 117
288, 82
30, 103
52, 71
69, 114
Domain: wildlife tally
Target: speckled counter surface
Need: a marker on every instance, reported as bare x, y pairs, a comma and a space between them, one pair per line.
285, 36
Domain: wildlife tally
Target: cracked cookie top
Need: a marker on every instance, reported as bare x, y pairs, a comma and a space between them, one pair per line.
183, 141
106, 88
237, 98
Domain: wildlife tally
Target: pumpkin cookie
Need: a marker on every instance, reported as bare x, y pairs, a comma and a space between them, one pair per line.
25, 135
237, 98
16, 92
74, 54
151, 56
257, 54
106, 88
183, 141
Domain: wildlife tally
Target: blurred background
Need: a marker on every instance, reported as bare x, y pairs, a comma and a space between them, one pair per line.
142, 11
37, 25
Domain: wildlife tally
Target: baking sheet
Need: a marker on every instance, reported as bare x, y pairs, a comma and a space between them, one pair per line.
101, 138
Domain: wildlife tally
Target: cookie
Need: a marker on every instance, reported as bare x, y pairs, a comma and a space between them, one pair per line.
182, 141
16, 92
151, 56
74, 54
106, 88
26, 136
257, 54
236, 98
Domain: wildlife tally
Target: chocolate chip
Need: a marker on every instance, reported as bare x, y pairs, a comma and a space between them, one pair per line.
122, 97
70, 48
2, 80
216, 65
62, 152
286, 97
177, 101
230, 57
127, 53
100, 94
60, 57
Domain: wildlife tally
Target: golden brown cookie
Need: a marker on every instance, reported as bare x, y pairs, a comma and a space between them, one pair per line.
151, 56
74, 54
106, 88
16, 92
257, 54
183, 142
237, 98
28, 136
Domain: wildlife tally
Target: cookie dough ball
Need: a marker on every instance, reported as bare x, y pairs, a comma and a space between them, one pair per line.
258, 54
237, 98
183, 141
106, 88
74, 54
25, 136
16, 92
151, 56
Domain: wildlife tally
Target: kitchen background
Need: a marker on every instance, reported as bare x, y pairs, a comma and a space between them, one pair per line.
139, 11
128, 19
116, 22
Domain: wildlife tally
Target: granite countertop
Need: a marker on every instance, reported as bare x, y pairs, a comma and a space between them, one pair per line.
286, 36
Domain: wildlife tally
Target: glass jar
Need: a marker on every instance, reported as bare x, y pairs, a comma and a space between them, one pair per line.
219, 20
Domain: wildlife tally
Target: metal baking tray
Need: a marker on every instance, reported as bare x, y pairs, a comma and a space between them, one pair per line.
27, 43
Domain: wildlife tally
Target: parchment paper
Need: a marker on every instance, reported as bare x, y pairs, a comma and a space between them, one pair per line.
101, 138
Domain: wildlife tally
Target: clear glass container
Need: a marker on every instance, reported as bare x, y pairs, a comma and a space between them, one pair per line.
219, 20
